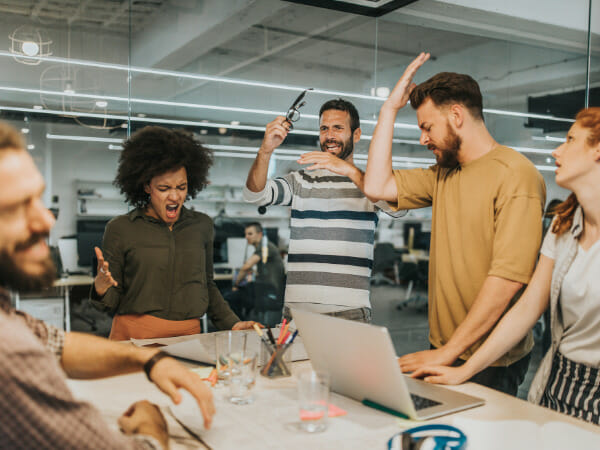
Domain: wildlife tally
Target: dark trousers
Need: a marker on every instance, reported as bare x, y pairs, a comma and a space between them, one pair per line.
504, 379
241, 301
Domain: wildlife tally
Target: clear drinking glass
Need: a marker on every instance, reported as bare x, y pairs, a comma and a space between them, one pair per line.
228, 343
313, 400
243, 377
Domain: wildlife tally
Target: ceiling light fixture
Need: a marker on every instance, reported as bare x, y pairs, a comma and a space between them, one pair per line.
195, 76
223, 126
101, 103
29, 45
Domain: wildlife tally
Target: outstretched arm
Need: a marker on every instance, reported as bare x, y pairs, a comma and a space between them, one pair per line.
86, 357
379, 178
247, 267
510, 330
275, 134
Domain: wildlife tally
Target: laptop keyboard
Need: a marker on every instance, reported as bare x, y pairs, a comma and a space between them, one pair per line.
422, 402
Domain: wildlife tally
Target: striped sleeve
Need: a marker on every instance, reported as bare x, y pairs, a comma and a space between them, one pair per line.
277, 191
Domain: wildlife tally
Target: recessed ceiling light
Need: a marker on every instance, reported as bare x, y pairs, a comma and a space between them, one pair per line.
142, 115
30, 147
124, 125
101, 104
382, 91
203, 131
38, 107
235, 122
222, 130
25, 130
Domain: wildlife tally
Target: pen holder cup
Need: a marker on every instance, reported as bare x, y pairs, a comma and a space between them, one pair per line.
274, 360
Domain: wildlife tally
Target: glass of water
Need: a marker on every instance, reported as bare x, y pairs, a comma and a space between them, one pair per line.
313, 401
242, 377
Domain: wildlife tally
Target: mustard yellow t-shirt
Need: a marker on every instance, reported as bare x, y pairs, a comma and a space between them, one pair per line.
486, 221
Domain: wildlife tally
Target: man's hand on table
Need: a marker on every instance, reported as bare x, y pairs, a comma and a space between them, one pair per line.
169, 375
145, 418
415, 361
246, 325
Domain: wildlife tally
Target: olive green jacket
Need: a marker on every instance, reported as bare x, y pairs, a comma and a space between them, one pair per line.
161, 272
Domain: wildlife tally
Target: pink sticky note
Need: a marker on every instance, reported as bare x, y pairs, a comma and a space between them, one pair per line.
334, 411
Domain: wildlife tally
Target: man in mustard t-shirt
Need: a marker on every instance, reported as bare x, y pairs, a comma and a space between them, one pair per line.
487, 203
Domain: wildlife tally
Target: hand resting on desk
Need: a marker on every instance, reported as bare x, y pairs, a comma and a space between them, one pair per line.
169, 375
145, 418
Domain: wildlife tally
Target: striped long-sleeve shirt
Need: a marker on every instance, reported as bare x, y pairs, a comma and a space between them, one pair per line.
330, 254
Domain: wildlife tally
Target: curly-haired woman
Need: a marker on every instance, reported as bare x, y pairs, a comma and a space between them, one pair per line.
566, 278
156, 271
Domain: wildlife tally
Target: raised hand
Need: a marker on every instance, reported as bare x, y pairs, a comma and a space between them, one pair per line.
104, 279
275, 133
401, 92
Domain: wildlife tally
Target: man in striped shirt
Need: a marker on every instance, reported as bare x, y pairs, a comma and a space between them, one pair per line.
333, 223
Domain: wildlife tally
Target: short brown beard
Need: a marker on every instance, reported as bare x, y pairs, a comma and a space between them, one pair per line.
449, 152
14, 277
347, 147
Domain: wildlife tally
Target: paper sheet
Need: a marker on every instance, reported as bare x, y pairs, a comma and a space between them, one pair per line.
506, 434
201, 347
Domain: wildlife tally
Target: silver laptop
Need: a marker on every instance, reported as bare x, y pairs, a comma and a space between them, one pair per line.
362, 364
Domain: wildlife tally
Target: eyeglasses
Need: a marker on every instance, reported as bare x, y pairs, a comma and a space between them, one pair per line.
293, 114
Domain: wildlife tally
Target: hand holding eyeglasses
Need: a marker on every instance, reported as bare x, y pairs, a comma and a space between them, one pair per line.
275, 133
277, 130
293, 114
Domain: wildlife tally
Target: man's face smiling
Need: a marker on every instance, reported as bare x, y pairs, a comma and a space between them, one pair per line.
336, 137
168, 192
25, 224
437, 134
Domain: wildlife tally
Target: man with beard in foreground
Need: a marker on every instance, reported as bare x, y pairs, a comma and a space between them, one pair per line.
37, 408
487, 202
333, 223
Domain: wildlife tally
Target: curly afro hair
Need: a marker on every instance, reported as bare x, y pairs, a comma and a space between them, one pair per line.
154, 151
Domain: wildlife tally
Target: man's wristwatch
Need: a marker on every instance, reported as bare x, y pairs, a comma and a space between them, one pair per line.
148, 365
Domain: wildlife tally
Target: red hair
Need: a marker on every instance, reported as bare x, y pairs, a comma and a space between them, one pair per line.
588, 118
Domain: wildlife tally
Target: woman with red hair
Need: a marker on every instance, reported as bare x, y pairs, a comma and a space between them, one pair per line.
567, 279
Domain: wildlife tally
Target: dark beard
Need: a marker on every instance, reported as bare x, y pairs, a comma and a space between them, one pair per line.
449, 152
347, 147
14, 277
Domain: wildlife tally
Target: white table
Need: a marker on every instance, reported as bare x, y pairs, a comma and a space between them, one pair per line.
361, 428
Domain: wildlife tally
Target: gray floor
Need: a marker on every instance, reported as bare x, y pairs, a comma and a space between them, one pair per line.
409, 329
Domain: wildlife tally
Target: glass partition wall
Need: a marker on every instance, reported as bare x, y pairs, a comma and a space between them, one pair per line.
79, 77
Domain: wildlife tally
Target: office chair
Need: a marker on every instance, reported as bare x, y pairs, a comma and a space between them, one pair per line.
417, 274
385, 261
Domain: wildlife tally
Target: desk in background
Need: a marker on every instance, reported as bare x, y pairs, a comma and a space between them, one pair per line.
64, 285
269, 421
